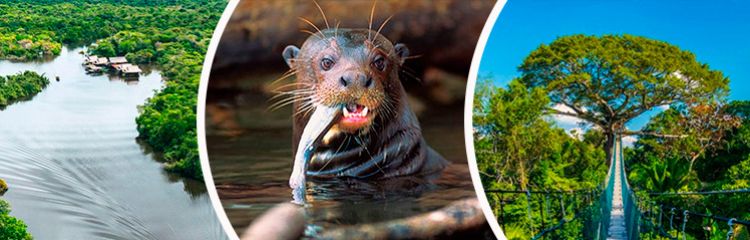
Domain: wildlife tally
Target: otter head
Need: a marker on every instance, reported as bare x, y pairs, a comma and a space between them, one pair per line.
355, 69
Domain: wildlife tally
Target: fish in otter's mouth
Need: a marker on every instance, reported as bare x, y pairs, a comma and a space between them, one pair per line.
351, 116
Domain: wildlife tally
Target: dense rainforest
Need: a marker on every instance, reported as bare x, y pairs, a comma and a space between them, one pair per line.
518, 148
20, 86
174, 35
691, 164
537, 175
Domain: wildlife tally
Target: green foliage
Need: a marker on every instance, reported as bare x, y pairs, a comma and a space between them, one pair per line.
20, 46
20, 86
657, 167
28, 27
518, 148
11, 227
609, 80
173, 34
4, 207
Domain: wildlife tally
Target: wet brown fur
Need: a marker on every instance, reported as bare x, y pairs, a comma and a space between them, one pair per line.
392, 144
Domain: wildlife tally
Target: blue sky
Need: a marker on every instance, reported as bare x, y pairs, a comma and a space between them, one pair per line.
718, 32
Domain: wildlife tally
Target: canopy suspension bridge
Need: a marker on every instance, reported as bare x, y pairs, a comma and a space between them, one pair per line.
612, 210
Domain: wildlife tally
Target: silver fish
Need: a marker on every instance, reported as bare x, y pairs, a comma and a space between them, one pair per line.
320, 122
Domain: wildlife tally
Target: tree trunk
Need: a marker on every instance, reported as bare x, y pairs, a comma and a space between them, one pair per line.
608, 144
692, 161
522, 180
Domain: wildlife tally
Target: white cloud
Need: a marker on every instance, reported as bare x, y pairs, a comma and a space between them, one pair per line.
576, 133
627, 141
564, 121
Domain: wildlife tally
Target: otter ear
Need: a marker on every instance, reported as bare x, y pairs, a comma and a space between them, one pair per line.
290, 52
402, 52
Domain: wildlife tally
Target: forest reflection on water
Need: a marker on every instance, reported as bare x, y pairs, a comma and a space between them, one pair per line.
76, 170
250, 152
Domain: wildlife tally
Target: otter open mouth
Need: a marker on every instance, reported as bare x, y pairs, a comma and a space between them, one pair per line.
355, 116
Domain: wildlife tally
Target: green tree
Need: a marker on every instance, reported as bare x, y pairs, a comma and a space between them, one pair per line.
511, 124
20, 86
518, 148
609, 80
12, 228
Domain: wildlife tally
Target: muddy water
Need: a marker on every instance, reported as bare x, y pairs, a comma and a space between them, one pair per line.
251, 159
76, 170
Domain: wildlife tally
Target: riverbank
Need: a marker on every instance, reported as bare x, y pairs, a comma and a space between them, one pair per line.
173, 35
20, 86
77, 169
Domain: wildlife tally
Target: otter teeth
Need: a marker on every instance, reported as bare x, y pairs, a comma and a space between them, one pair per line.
361, 113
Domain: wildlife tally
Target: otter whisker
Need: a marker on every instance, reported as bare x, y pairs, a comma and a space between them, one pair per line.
414, 57
383, 25
293, 93
410, 73
279, 105
297, 84
311, 24
278, 92
307, 106
284, 76
294, 86
361, 144
345, 142
304, 110
369, 26
322, 13
286, 101
311, 33
336, 31
368, 153
300, 59
288, 96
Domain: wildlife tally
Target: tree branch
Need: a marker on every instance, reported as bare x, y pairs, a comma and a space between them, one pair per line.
657, 134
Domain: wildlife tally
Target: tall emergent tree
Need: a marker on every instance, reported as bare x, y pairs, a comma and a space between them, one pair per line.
609, 80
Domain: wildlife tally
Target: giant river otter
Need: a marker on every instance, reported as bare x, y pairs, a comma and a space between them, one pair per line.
351, 116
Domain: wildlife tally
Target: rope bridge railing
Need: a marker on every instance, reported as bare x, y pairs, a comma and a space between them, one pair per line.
592, 204
630, 201
674, 222
746, 190
551, 210
644, 213
666, 219
593, 208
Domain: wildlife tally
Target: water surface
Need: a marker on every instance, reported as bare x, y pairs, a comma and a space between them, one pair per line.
250, 154
75, 169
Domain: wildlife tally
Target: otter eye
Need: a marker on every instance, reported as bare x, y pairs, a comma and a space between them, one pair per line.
327, 63
379, 63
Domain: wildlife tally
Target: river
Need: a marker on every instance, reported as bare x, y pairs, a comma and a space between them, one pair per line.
75, 169
250, 152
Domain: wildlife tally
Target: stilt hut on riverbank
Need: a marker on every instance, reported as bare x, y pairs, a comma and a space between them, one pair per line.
118, 65
117, 60
91, 68
127, 70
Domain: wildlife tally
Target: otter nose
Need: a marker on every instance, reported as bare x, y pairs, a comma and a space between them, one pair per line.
356, 80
